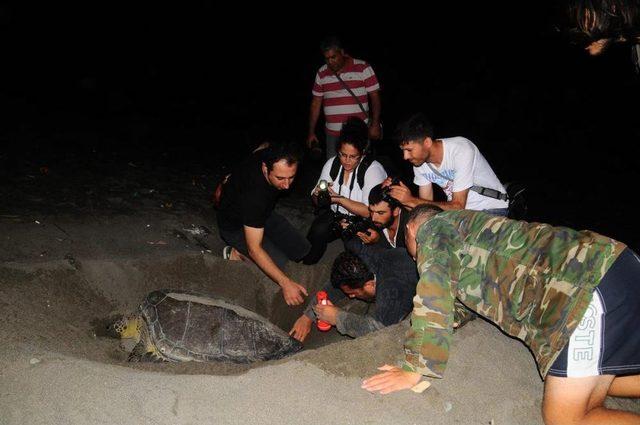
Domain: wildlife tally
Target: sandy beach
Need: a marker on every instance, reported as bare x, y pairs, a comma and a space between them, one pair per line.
68, 270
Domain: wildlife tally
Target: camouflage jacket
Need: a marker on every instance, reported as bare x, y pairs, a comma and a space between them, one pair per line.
533, 280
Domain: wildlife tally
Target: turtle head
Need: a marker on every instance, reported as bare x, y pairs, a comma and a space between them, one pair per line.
126, 327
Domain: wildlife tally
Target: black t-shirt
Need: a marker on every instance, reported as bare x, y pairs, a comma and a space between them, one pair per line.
247, 198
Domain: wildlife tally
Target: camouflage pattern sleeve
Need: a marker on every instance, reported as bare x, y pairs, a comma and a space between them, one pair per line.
427, 342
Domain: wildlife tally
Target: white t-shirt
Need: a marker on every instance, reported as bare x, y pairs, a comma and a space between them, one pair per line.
374, 175
465, 166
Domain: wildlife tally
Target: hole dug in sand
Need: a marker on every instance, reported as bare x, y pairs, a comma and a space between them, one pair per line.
56, 308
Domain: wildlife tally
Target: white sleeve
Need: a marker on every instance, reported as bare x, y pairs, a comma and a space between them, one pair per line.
464, 162
325, 174
374, 175
419, 179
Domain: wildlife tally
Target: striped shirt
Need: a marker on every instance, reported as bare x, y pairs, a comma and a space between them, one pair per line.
338, 103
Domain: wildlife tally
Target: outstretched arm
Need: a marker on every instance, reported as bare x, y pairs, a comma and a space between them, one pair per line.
427, 342
293, 292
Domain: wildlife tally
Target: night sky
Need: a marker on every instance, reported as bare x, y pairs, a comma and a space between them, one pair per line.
206, 84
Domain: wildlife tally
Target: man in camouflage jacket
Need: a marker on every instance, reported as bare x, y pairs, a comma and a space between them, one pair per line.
533, 280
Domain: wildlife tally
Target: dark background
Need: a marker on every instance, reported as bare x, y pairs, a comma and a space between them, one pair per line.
197, 86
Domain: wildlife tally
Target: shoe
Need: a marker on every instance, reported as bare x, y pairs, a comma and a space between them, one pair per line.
226, 252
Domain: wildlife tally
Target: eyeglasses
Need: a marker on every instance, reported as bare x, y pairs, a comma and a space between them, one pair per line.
345, 156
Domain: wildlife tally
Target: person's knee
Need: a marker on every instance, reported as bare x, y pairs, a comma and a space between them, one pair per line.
320, 230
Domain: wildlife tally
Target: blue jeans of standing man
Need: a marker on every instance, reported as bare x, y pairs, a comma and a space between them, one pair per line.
331, 143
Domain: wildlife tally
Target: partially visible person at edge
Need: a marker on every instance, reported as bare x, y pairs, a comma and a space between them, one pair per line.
389, 218
248, 222
347, 194
338, 103
598, 24
455, 164
386, 277
551, 287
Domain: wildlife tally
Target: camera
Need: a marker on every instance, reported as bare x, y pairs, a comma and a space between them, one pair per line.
324, 198
386, 195
355, 224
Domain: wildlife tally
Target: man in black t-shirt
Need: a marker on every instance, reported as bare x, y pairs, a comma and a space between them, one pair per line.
247, 220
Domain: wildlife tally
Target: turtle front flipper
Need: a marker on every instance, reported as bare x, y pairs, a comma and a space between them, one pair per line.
142, 353
145, 350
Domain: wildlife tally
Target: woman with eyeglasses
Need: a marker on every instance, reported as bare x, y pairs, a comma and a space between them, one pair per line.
350, 175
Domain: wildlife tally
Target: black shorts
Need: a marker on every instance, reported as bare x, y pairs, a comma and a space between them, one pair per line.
607, 340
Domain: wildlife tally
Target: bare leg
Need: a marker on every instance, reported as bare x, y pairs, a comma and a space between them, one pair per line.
625, 386
581, 401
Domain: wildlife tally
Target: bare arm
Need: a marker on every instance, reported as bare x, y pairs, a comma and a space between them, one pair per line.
352, 206
376, 108
314, 114
292, 291
403, 194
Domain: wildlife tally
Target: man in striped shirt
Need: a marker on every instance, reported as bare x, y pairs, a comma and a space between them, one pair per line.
338, 103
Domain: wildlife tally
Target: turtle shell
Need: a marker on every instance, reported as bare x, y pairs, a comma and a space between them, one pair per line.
191, 327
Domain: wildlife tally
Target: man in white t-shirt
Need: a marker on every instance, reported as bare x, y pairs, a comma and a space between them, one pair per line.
455, 164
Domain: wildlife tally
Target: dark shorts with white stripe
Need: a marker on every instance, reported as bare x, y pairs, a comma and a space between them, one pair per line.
607, 340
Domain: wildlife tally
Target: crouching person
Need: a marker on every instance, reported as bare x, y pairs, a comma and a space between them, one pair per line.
573, 297
386, 277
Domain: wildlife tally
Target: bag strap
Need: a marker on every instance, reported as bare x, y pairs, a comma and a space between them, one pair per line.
484, 191
346, 87
361, 171
335, 167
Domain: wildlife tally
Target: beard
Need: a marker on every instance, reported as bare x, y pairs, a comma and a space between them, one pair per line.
384, 225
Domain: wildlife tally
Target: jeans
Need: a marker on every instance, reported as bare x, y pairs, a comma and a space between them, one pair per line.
281, 240
331, 142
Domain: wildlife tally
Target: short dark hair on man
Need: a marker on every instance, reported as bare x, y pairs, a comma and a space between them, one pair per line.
354, 132
416, 128
423, 212
377, 195
330, 42
348, 269
277, 151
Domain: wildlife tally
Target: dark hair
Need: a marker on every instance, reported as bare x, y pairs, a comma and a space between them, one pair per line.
354, 132
348, 269
423, 212
416, 128
604, 18
378, 194
330, 42
277, 151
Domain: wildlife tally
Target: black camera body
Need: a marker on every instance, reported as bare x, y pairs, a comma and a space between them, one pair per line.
323, 199
355, 224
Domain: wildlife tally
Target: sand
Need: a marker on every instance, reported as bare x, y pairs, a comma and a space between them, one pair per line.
67, 272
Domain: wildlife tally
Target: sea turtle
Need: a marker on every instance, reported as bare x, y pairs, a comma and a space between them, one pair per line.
173, 325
